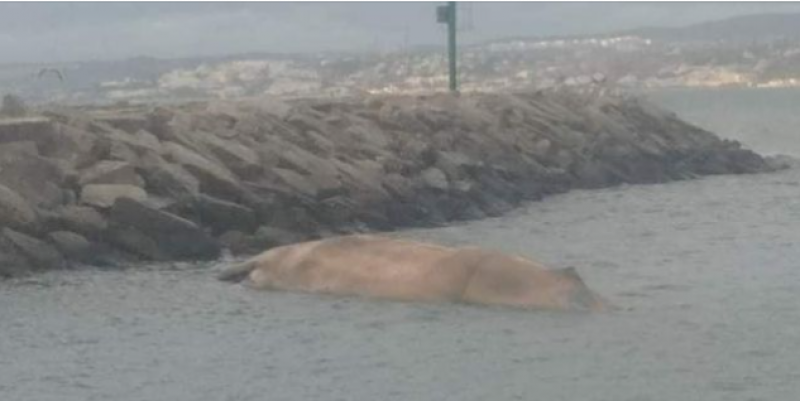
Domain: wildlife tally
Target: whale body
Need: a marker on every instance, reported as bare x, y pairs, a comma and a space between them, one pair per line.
405, 270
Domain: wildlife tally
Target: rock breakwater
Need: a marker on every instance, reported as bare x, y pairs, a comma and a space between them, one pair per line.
116, 185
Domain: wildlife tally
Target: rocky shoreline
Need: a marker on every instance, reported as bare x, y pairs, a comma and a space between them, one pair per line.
122, 185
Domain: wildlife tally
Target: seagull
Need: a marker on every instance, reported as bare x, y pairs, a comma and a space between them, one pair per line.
53, 71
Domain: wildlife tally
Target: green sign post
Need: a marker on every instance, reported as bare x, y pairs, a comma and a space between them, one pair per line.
447, 15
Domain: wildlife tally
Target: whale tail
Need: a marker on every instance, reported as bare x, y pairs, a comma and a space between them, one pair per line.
581, 297
237, 272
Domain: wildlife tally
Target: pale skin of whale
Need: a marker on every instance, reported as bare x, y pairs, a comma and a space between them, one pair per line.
398, 269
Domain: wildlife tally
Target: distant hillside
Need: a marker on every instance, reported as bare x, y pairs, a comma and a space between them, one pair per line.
759, 28
747, 28
749, 51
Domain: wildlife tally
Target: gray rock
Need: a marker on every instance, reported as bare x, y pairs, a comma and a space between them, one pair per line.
119, 150
491, 205
398, 186
271, 105
235, 156
542, 147
453, 164
314, 175
15, 211
104, 195
124, 121
72, 146
81, 219
296, 182
434, 178
111, 172
564, 159
135, 241
166, 179
295, 218
222, 215
129, 147
40, 254
269, 237
147, 141
238, 243
37, 179
214, 179
20, 149
338, 211
363, 180
594, 174
173, 236
12, 262
36, 129
72, 245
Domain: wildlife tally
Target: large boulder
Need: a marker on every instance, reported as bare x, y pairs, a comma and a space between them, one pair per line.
296, 182
104, 195
269, 237
363, 179
109, 147
398, 186
318, 176
39, 180
73, 246
125, 121
453, 164
111, 172
434, 178
12, 262
69, 144
237, 157
15, 211
137, 143
221, 215
133, 240
167, 179
172, 235
81, 219
40, 254
337, 212
19, 149
214, 178
118, 150
238, 243
146, 141
594, 174
36, 129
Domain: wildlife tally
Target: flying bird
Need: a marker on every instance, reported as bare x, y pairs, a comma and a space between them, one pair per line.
54, 71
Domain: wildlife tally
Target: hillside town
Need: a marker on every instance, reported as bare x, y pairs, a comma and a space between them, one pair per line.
633, 60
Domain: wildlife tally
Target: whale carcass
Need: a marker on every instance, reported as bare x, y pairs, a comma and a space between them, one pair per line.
399, 269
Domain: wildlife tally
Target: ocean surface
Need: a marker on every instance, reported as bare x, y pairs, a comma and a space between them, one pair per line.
767, 120
705, 275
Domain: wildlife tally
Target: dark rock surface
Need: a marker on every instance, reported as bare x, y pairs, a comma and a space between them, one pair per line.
169, 236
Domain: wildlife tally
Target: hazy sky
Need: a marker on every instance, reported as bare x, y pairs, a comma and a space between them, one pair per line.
35, 32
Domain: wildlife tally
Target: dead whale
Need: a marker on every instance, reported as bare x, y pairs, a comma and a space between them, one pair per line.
398, 269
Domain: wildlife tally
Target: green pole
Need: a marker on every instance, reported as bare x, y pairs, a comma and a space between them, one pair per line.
446, 14
451, 45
